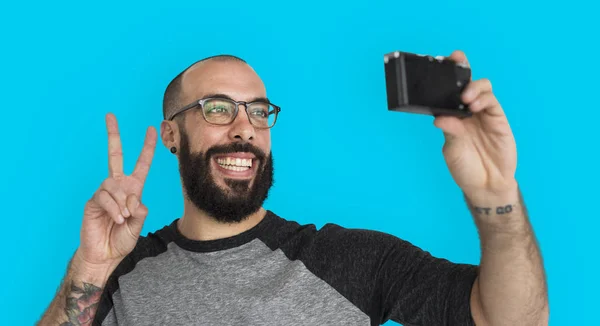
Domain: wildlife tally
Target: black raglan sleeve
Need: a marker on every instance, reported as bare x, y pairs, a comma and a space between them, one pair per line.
391, 279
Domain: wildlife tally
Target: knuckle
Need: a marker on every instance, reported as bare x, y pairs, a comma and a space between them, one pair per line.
143, 210
99, 195
132, 198
109, 184
487, 83
101, 198
115, 153
106, 199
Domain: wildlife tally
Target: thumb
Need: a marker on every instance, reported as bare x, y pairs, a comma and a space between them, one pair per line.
452, 127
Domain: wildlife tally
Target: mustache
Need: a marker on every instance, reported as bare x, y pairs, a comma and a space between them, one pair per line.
235, 148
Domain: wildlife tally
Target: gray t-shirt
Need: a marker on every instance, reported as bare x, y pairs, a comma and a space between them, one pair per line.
283, 273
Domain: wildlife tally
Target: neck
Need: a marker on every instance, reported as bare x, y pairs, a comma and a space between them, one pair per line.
198, 225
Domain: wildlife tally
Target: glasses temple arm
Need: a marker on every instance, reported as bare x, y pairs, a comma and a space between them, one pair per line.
185, 108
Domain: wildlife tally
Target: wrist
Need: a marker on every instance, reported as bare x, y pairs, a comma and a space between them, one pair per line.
83, 270
498, 211
509, 192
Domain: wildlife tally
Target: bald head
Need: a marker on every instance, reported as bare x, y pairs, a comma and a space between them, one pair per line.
174, 93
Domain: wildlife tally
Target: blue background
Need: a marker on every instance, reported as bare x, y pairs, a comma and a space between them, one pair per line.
340, 156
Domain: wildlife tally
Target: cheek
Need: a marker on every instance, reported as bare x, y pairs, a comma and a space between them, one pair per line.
205, 137
264, 141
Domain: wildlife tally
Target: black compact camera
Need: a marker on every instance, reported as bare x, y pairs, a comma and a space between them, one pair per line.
423, 84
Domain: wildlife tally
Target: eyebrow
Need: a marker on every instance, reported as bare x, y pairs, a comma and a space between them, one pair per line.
256, 99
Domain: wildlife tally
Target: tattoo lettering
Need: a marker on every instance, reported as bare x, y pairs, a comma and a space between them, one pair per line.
503, 210
500, 210
482, 210
81, 309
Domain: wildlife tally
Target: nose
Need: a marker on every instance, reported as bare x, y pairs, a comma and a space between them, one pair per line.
241, 129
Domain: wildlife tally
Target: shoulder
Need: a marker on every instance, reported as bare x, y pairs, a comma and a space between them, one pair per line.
333, 240
332, 233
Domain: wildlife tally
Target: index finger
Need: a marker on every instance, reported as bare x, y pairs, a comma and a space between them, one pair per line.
143, 164
115, 152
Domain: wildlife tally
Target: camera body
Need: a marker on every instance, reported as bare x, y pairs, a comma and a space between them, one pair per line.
426, 85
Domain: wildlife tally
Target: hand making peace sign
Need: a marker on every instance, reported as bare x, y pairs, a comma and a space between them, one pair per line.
114, 216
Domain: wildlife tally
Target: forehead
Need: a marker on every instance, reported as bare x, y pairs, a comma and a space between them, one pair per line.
235, 79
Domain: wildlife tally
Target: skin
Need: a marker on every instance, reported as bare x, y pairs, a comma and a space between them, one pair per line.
238, 81
480, 153
481, 156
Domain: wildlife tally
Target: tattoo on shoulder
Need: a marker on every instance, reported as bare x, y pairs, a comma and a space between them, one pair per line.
82, 304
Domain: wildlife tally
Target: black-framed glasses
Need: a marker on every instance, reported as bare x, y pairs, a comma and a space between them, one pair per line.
223, 111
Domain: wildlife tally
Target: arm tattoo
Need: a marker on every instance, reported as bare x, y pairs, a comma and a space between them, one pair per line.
81, 308
499, 210
506, 209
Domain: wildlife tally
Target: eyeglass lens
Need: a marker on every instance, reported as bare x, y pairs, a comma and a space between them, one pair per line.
222, 111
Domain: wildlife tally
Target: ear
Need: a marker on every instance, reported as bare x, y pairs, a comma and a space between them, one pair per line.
169, 133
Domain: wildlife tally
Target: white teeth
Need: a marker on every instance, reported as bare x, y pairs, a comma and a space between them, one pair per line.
235, 164
235, 168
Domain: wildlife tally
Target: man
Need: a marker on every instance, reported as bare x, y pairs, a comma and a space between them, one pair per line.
228, 261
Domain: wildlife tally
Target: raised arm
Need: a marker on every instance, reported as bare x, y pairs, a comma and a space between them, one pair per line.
481, 154
112, 222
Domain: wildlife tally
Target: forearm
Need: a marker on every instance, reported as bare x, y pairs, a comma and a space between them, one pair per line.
512, 282
78, 296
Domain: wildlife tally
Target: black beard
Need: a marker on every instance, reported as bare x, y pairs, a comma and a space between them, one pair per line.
240, 200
